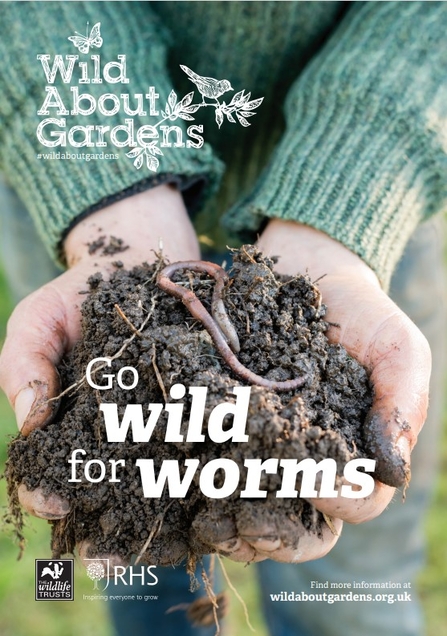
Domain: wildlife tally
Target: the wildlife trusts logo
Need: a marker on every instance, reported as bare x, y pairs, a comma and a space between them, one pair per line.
144, 145
54, 580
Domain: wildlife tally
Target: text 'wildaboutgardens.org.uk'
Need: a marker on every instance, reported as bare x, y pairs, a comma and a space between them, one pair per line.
370, 592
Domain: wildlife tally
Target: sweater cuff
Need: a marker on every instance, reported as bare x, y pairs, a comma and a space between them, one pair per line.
361, 191
361, 159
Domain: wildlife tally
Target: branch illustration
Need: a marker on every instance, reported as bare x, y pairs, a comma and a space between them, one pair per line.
240, 108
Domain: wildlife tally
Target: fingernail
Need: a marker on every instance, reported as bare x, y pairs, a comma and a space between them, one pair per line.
264, 544
23, 404
49, 516
231, 545
52, 507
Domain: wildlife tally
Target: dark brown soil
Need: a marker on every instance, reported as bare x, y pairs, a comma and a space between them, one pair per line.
114, 246
281, 327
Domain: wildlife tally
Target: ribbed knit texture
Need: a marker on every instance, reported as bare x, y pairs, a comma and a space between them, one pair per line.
363, 154
57, 191
261, 47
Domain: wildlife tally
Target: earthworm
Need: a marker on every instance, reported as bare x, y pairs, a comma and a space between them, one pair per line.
218, 310
218, 325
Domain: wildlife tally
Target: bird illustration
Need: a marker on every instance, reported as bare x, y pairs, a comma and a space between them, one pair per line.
208, 86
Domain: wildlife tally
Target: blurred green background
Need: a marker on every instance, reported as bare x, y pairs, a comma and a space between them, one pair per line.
20, 615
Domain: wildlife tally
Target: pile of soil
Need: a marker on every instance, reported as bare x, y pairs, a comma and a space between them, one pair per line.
281, 327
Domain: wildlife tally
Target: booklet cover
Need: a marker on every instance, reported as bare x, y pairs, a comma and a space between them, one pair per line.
220, 220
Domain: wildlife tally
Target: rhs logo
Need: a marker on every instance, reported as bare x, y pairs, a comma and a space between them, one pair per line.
100, 570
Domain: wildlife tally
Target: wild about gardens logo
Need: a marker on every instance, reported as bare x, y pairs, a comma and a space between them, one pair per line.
144, 144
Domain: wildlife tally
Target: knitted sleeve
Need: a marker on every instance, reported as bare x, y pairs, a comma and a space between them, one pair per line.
58, 191
363, 157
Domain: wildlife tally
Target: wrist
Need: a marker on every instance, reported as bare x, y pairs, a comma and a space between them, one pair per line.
143, 223
302, 249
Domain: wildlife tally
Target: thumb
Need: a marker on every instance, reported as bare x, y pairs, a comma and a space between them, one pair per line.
397, 356
37, 337
401, 364
36, 403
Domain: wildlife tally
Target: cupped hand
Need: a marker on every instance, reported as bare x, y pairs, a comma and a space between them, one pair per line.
397, 357
371, 327
382, 338
47, 323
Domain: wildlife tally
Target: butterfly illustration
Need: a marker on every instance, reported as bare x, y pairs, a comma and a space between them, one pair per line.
83, 43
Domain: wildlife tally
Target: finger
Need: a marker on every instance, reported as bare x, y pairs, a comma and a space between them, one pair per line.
213, 527
238, 550
40, 505
35, 342
220, 533
262, 540
263, 534
274, 541
357, 510
168, 549
310, 546
88, 555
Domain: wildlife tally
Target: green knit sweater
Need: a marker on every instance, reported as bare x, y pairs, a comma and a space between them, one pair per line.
351, 137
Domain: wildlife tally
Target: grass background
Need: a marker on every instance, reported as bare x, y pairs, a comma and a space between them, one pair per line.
20, 615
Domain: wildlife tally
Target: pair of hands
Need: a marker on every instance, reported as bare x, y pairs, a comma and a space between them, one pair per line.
371, 327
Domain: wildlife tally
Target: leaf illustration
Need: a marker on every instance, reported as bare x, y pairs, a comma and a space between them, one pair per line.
134, 153
219, 117
152, 163
185, 117
153, 149
236, 98
242, 120
186, 100
138, 162
230, 117
247, 114
172, 99
191, 109
253, 104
